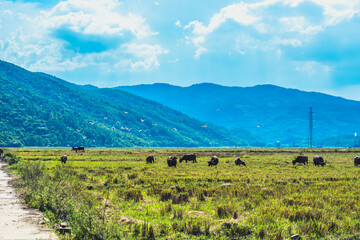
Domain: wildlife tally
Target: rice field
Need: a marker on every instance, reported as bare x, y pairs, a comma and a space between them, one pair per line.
115, 194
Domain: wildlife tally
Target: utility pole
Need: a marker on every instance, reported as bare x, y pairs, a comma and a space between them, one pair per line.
311, 128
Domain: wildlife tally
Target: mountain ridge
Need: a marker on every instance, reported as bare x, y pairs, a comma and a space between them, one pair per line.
42, 110
271, 112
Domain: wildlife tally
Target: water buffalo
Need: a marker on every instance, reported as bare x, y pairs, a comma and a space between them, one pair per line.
301, 159
238, 162
356, 160
188, 157
213, 161
81, 149
1, 152
76, 149
318, 160
172, 161
150, 159
63, 159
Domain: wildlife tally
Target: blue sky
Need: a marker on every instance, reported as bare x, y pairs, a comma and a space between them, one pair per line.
312, 45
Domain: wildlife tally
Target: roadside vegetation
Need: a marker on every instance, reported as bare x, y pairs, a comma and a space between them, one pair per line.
114, 194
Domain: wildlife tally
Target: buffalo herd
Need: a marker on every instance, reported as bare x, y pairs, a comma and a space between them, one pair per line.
318, 160
214, 160
172, 160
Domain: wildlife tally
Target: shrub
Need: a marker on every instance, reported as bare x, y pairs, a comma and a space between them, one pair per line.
12, 158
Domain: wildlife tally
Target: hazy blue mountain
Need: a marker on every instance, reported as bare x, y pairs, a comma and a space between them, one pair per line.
41, 110
271, 112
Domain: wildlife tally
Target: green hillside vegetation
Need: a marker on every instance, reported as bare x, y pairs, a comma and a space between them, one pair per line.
41, 110
272, 113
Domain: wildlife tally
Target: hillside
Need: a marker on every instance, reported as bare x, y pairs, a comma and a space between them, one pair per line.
270, 112
41, 110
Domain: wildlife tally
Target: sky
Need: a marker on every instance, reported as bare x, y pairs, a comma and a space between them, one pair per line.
311, 45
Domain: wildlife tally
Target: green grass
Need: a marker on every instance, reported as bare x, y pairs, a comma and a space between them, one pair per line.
269, 198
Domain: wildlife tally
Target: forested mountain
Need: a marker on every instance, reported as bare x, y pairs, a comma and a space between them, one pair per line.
42, 110
270, 112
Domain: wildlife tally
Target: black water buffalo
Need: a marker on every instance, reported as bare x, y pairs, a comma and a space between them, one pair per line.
63, 159
238, 162
188, 157
172, 161
301, 159
76, 149
356, 160
81, 149
213, 161
150, 159
318, 160
1, 152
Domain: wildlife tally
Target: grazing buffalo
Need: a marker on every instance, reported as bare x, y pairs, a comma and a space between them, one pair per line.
76, 149
1, 152
63, 159
238, 162
172, 161
318, 160
150, 159
213, 161
81, 149
301, 159
188, 157
356, 160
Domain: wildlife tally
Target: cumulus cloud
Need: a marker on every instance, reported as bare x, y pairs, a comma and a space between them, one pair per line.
145, 56
259, 19
74, 34
95, 17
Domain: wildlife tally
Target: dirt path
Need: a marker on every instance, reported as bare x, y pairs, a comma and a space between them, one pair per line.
16, 220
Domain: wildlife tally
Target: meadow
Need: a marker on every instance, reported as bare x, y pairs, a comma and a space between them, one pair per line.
115, 194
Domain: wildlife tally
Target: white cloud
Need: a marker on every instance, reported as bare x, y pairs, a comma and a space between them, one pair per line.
299, 25
95, 17
198, 40
292, 42
312, 68
258, 17
177, 23
237, 12
28, 40
145, 56
199, 52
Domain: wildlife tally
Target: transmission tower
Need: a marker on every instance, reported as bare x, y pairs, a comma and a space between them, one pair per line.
311, 128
